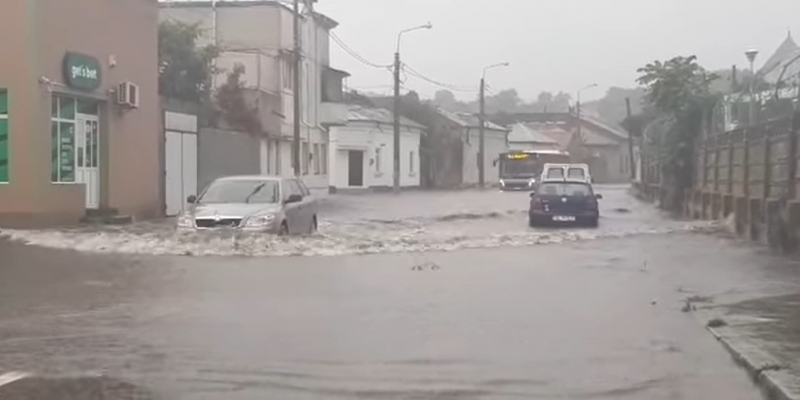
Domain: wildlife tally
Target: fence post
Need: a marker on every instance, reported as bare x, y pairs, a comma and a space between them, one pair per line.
746, 165
730, 163
791, 159
716, 164
767, 165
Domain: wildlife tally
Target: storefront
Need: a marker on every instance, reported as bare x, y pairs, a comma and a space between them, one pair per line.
79, 114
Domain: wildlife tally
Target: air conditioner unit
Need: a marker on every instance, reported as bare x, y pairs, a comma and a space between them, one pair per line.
128, 95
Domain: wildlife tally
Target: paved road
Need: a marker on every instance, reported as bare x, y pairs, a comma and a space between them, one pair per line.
596, 318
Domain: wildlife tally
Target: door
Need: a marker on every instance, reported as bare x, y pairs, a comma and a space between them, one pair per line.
180, 162
87, 157
355, 170
293, 211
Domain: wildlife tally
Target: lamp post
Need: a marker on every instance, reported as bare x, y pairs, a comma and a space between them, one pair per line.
751, 57
578, 109
396, 146
482, 124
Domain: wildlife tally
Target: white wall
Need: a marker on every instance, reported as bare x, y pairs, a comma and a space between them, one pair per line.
494, 144
378, 170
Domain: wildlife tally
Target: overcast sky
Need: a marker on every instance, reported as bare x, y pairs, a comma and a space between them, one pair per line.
551, 44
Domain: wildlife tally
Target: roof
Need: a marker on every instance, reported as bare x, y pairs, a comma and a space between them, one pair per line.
784, 51
467, 120
521, 133
327, 22
358, 113
337, 71
591, 138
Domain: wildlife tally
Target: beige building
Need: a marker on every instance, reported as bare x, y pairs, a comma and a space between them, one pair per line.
79, 117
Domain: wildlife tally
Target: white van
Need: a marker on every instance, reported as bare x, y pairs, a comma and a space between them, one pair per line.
560, 172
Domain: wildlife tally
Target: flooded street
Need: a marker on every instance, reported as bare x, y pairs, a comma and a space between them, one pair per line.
370, 313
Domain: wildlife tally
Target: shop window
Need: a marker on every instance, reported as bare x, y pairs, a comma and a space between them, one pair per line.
62, 136
4, 144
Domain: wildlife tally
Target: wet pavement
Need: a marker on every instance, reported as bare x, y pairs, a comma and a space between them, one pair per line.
596, 314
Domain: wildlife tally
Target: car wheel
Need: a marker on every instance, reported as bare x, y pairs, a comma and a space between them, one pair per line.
314, 227
594, 223
531, 222
284, 230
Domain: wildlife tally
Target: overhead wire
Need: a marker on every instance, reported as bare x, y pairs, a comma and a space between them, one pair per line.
354, 54
455, 88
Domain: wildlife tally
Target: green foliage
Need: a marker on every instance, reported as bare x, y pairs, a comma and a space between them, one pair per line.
678, 89
233, 104
185, 71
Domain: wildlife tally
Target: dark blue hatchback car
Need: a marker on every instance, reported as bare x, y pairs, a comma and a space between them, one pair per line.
564, 202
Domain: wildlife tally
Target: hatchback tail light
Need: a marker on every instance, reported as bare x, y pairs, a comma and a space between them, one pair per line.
536, 203
591, 204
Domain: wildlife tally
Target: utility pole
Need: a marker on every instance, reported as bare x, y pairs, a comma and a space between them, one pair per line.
630, 140
296, 91
481, 134
396, 136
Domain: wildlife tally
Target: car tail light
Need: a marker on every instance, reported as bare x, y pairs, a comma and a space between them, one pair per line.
536, 203
591, 204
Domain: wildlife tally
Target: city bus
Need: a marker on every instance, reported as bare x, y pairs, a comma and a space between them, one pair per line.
520, 169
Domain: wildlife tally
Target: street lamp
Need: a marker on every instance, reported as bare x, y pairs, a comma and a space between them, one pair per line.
396, 141
481, 123
580, 132
751, 56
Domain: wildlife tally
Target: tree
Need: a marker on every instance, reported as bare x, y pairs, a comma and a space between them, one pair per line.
185, 71
233, 105
506, 100
679, 89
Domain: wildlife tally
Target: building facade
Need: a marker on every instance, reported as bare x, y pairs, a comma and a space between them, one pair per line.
79, 119
362, 151
258, 35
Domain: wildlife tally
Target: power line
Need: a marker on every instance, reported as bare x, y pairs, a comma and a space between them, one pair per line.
419, 75
355, 54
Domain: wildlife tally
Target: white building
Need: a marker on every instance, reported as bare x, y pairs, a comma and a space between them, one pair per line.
495, 143
258, 34
362, 155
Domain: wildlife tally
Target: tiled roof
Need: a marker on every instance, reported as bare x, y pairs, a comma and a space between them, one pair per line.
380, 115
784, 51
468, 120
521, 133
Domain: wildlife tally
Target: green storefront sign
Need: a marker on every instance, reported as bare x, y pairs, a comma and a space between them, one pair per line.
81, 71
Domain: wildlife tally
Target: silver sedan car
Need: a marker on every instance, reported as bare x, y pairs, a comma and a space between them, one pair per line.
253, 203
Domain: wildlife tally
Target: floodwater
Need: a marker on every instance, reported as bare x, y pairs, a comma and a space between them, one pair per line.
592, 318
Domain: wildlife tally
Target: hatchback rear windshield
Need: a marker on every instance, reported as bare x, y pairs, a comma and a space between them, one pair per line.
564, 189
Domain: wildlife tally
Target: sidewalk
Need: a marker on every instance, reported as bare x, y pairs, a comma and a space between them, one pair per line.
764, 336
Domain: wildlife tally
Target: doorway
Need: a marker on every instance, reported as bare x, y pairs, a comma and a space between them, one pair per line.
87, 157
355, 169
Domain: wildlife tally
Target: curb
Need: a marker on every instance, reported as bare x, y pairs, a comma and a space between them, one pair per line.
768, 380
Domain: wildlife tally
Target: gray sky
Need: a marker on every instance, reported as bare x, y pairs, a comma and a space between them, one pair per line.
551, 44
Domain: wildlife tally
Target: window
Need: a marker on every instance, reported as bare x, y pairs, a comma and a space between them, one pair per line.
411, 162
287, 73
324, 159
62, 136
4, 143
303, 188
291, 187
316, 158
304, 158
378, 160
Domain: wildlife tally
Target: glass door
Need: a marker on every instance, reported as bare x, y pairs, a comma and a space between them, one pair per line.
87, 158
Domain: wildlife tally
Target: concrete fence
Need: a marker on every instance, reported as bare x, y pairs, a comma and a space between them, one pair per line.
750, 174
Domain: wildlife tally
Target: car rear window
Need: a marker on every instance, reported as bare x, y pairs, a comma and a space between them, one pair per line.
555, 173
576, 173
565, 189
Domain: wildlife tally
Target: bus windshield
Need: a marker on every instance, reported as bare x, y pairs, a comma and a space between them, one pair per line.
526, 165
